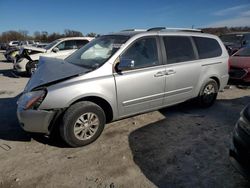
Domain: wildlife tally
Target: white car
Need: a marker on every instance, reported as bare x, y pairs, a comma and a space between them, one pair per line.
61, 48
13, 43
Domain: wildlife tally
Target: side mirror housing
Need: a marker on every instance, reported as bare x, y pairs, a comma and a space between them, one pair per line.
125, 64
55, 50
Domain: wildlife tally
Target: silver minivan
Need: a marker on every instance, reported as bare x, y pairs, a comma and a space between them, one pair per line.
120, 75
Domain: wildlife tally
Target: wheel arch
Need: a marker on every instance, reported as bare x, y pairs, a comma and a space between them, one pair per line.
104, 104
215, 78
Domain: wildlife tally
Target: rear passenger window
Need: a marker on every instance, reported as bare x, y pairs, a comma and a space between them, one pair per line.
178, 49
70, 44
81, 43
207, 47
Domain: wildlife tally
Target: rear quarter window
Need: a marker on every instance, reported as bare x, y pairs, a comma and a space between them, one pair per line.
207, 47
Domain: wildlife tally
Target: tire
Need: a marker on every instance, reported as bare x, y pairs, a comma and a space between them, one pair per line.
208, 93
31, 67
76, 128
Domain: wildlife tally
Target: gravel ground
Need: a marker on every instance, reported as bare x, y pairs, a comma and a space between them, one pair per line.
180, 146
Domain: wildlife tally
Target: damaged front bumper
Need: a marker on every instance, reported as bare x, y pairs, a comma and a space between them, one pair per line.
37, 121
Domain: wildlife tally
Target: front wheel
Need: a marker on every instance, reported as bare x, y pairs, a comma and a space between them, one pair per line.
208, 93
82, 124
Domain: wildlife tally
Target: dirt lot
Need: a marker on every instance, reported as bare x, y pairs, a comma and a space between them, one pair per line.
181, 146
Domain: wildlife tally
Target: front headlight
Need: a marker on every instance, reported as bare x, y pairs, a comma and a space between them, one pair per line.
31, 100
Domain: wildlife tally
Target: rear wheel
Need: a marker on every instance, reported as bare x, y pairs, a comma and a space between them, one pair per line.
208, 93
82, 124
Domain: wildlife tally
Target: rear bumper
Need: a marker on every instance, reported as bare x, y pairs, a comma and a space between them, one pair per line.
223, 81
37, 121
240, 150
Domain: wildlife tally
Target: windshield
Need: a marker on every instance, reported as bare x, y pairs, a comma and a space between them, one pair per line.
232, 38
98, 51
244, 52
50, 45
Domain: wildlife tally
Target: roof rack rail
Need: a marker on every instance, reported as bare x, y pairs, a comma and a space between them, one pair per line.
133, 30
174, 29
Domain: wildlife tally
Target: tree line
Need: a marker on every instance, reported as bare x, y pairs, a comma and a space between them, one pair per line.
224, 30
42, 36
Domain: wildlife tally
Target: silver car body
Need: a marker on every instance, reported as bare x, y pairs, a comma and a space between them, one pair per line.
133, 92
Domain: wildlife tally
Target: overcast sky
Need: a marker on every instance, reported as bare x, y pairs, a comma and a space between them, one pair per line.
113, 15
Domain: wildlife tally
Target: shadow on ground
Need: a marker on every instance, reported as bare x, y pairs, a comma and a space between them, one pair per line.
189, 148
11, 74
10, 129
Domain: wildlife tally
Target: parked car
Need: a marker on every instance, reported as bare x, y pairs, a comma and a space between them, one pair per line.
3, 46
13, 43
235, 41
61, 48
120, 75
240, 66
13, 51
240, 150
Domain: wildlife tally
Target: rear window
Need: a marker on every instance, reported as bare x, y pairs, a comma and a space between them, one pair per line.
178, 49
207, 47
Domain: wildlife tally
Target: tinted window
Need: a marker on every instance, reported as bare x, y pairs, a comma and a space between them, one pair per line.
178, 49
70, 44
207, 47
143, 53
244, 52
61, 46
67, 45
81, 43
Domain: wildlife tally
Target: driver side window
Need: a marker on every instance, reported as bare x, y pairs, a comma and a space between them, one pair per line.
61, 46
143, 53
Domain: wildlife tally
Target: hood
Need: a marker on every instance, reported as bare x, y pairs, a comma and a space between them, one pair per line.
51, 70
241, 62
34, 48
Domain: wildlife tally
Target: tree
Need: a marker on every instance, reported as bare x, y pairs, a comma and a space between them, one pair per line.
54, 36
72, 33
37, 35
91, 34
44, 36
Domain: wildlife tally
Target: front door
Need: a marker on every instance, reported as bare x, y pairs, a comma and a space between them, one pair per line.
140, 87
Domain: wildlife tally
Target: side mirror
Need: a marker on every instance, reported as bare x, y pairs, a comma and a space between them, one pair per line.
55, 50
125, 64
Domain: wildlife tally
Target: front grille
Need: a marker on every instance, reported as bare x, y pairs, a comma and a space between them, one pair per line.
237, 73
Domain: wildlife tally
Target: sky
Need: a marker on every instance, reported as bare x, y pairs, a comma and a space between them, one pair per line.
113, 15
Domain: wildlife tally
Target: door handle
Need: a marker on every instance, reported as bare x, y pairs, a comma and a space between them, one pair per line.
158, 74
170, 71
